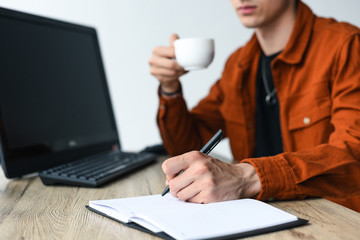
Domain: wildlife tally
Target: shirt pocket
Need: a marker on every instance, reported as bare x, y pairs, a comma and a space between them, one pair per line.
310, 127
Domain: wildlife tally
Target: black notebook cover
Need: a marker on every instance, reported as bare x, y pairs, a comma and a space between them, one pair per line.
163, 235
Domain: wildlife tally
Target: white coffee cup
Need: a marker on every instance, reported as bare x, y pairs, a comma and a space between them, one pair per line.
194, 53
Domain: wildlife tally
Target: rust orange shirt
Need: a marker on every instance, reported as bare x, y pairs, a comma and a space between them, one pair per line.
317, 77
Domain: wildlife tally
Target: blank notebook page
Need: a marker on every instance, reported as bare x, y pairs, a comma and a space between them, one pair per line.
183, 220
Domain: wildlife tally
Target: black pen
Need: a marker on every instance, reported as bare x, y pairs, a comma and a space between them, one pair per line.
206, 149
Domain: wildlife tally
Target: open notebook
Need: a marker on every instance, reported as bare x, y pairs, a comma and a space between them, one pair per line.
171, 218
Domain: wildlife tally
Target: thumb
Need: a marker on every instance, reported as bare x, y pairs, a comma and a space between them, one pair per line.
172, 39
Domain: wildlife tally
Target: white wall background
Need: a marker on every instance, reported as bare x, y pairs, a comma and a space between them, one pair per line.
128, 31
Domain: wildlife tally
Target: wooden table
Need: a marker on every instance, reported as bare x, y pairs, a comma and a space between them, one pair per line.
30, 210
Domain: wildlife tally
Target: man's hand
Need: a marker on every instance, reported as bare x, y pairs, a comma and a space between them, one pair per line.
205, 179
165, 68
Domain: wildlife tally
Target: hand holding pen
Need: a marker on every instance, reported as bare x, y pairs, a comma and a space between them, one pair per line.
206, 149
204, 179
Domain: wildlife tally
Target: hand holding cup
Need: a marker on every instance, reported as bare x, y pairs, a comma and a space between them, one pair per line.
168, 63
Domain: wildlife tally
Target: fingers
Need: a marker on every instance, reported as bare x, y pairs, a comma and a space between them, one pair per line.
182, 182
164, 66
192, 189
198, 198
163, 58
172, 166
205, 179
189, 194
172, 39
195, 185
165, 63
166, 52
187, 184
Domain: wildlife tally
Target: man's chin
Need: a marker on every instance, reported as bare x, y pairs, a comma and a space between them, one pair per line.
249, 24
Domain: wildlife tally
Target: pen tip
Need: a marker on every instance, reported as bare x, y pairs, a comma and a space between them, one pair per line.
166, 190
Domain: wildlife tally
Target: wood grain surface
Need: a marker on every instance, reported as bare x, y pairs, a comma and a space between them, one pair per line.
30, 210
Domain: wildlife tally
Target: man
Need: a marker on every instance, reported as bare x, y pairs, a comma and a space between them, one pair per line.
289, 102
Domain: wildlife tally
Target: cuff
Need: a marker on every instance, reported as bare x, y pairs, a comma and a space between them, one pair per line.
167, 95
166, 102
276, 178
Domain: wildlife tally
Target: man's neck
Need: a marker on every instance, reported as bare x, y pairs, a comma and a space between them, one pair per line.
274, 36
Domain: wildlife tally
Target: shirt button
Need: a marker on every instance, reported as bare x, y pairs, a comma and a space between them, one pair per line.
306, 120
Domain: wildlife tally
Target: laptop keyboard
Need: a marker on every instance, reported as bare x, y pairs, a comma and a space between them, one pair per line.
95, 171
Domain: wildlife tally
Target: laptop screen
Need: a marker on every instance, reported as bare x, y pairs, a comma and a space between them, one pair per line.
54, 99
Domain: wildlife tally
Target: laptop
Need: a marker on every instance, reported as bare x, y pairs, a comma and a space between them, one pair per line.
56, 116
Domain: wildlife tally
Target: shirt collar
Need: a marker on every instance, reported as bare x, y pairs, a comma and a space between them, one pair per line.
297, 44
